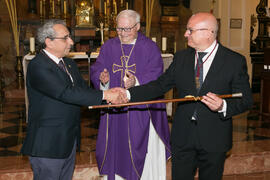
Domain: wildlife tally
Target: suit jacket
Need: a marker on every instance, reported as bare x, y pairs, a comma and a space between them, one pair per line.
54, 107
227, 75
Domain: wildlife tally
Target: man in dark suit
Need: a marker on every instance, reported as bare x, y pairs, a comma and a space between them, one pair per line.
202, 131
56, 90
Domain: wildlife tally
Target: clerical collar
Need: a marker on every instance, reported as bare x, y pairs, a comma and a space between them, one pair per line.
53, 57
133, 42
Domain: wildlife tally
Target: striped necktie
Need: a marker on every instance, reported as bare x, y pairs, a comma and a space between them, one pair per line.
199, 70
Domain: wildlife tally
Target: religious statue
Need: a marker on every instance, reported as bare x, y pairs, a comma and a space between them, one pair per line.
84, 13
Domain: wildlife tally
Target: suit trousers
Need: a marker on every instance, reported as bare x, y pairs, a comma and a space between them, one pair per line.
187, 159
52, 169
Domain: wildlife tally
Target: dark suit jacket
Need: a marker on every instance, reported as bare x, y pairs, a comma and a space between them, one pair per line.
54, 107
227, 75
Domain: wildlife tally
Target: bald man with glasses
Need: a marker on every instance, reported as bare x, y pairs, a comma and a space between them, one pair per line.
133, 142
201, 132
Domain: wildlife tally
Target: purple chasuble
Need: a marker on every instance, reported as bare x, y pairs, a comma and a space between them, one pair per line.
123, 132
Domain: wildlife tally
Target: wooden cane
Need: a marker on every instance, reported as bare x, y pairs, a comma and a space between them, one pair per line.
186, 98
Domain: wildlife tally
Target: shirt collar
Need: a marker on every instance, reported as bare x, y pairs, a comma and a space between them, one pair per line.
210, 48
53, 57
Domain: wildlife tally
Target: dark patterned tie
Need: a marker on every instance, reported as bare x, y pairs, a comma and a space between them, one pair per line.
199, 79
199, 70
62, 66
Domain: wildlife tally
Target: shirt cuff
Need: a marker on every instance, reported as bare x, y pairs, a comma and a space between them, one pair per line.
104, 87
224, 108
137, 82
128, 95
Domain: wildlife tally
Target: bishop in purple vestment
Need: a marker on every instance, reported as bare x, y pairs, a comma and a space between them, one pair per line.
123, 132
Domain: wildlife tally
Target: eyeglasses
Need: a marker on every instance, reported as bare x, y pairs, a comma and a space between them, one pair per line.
190, 31
64, 38
125, 29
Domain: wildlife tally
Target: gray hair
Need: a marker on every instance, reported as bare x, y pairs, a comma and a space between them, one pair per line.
47, 31
128, 13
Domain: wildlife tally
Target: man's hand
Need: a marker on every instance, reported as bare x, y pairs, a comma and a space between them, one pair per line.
214, 102
104, 76
115, 96
129, 80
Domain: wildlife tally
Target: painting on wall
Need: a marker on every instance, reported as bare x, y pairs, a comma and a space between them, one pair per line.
235, 23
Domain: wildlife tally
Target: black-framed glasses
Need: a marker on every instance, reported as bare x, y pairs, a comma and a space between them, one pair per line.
190, 31
125, 29
66, 37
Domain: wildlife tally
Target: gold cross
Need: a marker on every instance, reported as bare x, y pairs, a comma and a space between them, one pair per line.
124, 68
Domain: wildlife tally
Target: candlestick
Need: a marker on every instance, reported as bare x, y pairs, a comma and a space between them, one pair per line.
115, 8
43, 10
154, 39
65, 8
126, 5
105, 8
32, 45
58, 9
164, 44
53, 8
40, 7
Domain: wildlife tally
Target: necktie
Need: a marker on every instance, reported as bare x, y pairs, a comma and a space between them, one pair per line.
199, 70
199, 79
62, 66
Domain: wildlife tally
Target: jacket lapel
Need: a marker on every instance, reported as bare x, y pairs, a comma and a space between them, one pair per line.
215, 67
55, 67
191, 71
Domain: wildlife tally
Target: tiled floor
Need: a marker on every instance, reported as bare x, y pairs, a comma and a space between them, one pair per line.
251, 136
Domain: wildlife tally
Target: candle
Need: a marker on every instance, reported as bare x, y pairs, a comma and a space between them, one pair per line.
40, 7
115, 8
32, 44
164, 43
174, 46
126, 5
105, 8
65, 7
121, 2
154, 39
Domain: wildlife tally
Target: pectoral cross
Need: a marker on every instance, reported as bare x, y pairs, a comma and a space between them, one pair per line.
102, 29
124, 68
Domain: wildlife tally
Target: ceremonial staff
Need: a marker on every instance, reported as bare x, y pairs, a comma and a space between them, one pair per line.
187, 98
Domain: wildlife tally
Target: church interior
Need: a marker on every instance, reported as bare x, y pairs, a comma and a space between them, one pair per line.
244, 26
